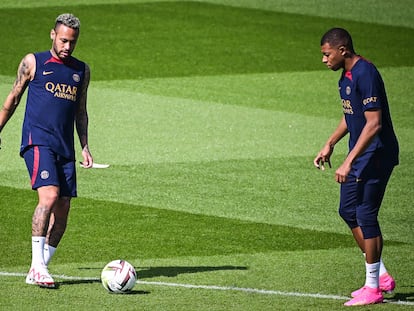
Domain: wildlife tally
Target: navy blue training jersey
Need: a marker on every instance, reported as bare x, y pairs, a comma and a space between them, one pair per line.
362, 89
51, 105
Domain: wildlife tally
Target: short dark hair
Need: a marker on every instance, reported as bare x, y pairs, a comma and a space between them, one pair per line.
337, 37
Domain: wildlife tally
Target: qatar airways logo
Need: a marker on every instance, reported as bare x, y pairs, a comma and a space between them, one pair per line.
347, 106
61, 90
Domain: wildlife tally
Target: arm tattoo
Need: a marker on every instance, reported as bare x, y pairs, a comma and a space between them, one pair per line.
22, 80
22, 74
19, 86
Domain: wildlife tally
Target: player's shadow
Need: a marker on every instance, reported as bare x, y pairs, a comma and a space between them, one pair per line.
95, 280
77, 282
404, 297
152, 272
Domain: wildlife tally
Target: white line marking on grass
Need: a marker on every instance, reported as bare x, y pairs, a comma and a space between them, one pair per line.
222, 288
246, 290
264, 291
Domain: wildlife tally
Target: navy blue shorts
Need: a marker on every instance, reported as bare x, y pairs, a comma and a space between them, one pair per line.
47, 168
361, 198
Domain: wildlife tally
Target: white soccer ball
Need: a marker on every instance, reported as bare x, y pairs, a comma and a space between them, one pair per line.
118, 276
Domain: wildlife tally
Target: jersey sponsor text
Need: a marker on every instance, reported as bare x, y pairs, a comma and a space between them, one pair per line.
62, 90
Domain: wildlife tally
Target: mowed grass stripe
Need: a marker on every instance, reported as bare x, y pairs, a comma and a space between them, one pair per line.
311, 93
215, 118
171, 39
274, 191
130, 128
153, 129
152, 232
394, 14
378, 12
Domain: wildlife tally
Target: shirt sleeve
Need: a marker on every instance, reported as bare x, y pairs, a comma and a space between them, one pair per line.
370, 86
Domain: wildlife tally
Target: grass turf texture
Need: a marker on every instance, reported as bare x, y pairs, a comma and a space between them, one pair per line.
187, 38
211, 180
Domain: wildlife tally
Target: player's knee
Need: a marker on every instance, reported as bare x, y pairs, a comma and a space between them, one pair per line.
368, 221
348, 217
48, 196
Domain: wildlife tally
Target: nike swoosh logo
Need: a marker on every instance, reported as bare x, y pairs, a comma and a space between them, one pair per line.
45, 73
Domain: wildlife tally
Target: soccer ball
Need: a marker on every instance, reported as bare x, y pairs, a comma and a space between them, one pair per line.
118, 276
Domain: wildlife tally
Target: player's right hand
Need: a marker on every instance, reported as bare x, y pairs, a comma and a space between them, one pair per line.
324, 156
320, 161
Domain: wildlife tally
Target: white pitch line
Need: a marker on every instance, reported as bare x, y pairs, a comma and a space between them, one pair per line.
246, 290
222, 288
265, 292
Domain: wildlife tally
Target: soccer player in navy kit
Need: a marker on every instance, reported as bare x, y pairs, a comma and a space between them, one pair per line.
373, 153
56, 103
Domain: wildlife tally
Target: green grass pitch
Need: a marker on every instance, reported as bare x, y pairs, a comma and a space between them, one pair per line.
210, 114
